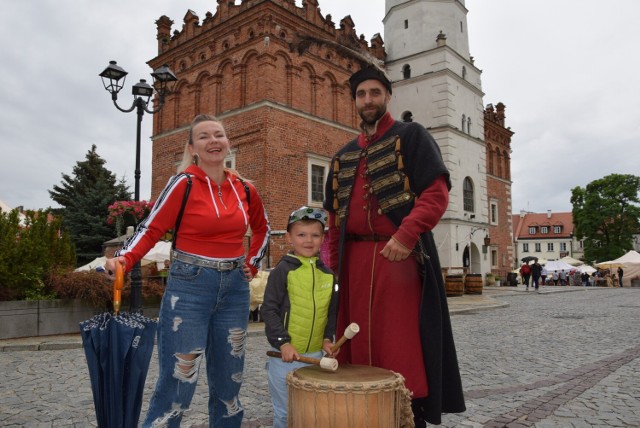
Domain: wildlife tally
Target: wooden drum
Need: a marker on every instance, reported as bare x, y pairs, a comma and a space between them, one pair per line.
353, 396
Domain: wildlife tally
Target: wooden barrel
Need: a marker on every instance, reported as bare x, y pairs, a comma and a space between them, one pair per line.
473, 283
454, 285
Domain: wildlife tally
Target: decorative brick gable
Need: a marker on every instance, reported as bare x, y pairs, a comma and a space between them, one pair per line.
279, 104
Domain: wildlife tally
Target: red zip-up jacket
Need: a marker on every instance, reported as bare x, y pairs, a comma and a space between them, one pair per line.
215, 221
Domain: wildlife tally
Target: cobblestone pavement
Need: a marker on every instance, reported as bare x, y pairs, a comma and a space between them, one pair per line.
546, 359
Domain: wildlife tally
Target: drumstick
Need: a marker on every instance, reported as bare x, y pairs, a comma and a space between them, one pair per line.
351, 330
324, 362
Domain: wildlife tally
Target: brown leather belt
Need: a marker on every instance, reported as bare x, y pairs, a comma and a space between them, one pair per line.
374, 237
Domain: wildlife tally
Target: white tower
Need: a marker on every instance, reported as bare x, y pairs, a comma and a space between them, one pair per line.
436, 84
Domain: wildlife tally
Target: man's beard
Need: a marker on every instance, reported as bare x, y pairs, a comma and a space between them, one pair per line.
369, 117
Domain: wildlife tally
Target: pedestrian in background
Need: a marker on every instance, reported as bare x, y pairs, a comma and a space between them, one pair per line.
555, 277
543, 275
563, 277
525, 273
584, 278
620, 273
300, 306
608, 277
205, 307
536, 272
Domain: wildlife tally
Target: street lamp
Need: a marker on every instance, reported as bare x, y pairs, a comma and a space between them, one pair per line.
113, 78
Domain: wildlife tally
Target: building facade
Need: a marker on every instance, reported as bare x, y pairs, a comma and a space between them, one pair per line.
547, 236
497, 138
285, 102
277, 75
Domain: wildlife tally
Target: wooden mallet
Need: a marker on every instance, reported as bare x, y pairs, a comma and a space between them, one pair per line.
351, 330
324, 362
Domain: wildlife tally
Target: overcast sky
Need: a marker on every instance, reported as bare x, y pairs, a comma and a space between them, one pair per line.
567, 71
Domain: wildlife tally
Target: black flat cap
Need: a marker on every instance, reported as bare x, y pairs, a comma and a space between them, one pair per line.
368, 73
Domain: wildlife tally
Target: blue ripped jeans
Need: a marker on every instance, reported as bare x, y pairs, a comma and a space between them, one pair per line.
204, 313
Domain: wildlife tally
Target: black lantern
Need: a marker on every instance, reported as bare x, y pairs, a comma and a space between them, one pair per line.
162, 77
111, 78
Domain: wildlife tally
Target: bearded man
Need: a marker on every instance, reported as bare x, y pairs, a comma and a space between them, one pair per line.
387, 189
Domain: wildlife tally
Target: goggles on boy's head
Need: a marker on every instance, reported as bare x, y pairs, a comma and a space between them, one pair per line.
307, 213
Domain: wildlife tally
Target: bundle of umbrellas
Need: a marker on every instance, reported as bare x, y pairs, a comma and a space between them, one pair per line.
118, 348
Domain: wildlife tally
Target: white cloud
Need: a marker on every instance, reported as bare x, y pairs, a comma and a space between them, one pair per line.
566, 71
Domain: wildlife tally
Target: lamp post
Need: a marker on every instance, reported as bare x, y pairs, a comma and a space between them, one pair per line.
113, 78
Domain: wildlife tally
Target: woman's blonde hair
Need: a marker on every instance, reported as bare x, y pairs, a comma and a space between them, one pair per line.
187, 158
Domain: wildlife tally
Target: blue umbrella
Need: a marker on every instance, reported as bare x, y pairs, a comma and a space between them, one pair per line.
118, 349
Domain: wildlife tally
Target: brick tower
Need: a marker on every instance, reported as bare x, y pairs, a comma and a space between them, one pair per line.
283, 96
497, 137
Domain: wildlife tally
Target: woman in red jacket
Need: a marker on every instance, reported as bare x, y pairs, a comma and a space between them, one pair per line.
205, 308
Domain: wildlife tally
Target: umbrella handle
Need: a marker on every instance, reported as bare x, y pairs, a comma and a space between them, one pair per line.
118, 282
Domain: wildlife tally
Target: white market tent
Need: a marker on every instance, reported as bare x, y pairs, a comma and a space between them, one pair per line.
579, 265
573, 262
586, 268
558, 265
92, 265
630, 258
158, 254
630, 264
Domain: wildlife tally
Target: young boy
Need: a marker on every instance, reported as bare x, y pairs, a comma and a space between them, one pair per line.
299, 306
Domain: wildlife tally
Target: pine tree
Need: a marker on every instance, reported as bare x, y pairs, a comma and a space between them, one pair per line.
85, 197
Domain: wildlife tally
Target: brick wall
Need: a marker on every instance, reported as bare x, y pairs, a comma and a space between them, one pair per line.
278, 105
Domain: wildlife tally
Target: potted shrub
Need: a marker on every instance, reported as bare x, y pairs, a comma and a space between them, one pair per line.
491, 279
497, 281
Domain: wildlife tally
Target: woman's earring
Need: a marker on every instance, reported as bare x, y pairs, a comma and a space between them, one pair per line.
195, 160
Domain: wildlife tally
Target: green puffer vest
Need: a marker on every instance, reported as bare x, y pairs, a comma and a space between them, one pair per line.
309, 292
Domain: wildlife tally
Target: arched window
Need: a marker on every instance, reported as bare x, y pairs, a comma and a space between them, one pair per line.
464, 122
507, 165
490, 154
407, 116
467, 195
469, 125
406, 71
464, 72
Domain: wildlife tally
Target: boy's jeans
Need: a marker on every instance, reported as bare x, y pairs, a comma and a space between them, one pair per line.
204, 313
277, 373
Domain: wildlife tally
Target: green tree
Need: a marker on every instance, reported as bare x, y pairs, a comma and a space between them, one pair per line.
30, 249
606, 214
85, 197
